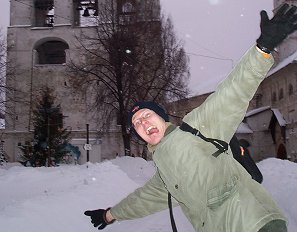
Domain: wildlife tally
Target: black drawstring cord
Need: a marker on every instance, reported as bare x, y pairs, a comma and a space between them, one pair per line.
221, 145
171, 213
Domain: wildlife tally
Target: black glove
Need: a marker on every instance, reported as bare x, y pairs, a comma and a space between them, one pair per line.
274, 31
98, 218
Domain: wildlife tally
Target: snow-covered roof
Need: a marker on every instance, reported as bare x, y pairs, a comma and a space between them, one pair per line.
276, 112
256, 111
244, 128
283, 63
279, 117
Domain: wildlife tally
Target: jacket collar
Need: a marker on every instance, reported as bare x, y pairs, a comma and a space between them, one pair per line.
170, 127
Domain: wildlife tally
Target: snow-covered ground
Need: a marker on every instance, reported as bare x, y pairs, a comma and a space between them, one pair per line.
54, 199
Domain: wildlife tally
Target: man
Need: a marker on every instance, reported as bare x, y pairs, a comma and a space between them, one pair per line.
215, 193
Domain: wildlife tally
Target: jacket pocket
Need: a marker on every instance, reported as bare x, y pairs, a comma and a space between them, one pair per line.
218, 195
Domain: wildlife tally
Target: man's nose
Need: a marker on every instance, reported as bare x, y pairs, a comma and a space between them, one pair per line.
144, 121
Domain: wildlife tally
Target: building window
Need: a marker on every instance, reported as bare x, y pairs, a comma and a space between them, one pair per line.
118, 118
281, 94
85, 12
273, 98
291, 89
52, 52
44, 13
127, 8
258, 99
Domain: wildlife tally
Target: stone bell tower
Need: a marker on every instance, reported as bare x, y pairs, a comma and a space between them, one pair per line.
40, 40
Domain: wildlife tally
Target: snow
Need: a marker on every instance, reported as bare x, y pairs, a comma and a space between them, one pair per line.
290, 59
257, 110
279, 117
54, 198
244, 128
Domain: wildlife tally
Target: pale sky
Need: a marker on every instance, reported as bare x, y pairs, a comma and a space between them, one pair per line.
4, 14
216, 33
222, 29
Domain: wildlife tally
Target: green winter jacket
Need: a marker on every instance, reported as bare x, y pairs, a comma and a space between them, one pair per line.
215, 194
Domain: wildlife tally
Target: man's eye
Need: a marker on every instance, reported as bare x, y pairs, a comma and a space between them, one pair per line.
136, 123
146, 115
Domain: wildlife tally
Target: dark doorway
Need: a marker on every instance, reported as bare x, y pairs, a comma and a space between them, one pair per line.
282, 152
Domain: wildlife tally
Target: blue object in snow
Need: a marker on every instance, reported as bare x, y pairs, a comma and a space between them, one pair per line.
73, 150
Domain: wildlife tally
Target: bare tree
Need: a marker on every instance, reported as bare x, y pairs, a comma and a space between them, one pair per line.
132, 55
2, 73
8, 92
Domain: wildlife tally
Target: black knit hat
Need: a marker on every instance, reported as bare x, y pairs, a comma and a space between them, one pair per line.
147, 105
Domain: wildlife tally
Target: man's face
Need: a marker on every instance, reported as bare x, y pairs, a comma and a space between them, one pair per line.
149, 126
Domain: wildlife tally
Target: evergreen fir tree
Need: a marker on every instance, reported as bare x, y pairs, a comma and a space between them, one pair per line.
3, 155
50, 138
3, 159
